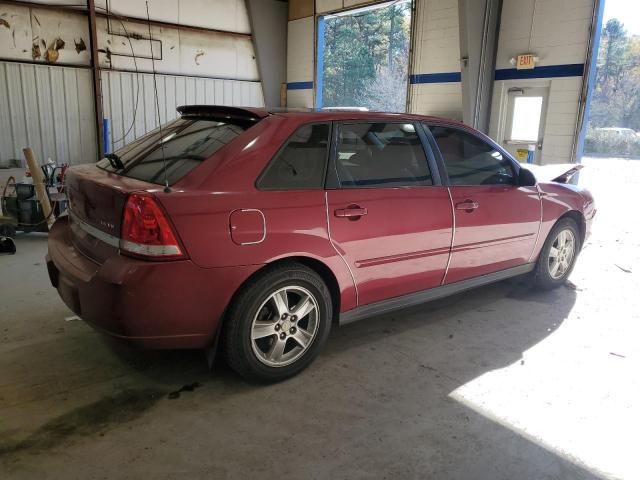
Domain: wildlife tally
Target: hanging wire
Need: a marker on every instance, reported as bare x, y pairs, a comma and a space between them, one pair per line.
135, 64
155, 89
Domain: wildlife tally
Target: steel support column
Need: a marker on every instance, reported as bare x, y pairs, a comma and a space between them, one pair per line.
479, 25
95, 67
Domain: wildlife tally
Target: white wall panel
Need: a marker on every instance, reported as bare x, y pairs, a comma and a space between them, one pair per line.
227, 15
183, 52
300, 98
300, 61
437, 99
557, 32
40, 27
59, 2
353, 3
323, 6
437, 50
48, 108
300, 50
121, 89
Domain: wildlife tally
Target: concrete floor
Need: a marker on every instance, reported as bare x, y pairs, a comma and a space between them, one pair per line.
500, 383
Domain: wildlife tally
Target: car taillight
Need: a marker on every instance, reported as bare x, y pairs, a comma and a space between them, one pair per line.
146, 231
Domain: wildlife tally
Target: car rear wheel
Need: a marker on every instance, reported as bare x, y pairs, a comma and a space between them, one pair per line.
277, 324
558, 255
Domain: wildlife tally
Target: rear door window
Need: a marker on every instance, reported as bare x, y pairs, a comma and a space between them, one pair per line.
181, 146
380, 155
300, 163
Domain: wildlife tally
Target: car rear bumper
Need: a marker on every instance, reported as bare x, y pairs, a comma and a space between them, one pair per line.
153, 304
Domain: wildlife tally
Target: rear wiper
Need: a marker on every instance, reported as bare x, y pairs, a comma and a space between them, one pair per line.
115, 161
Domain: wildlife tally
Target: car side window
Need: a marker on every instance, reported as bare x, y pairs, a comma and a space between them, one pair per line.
300, 163
471, 161
380, 155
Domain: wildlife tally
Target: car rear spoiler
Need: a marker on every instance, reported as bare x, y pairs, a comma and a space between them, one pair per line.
562, 173
243, 115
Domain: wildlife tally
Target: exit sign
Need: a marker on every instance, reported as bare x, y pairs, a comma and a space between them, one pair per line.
526, 62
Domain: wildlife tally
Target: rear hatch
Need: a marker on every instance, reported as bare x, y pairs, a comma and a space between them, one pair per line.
96, 202
98, 193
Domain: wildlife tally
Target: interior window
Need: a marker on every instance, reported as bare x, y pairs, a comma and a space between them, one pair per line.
525, 124
381, 155
300, 163
471, 161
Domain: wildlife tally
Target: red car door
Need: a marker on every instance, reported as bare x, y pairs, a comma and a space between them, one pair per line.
496, 220
388, 217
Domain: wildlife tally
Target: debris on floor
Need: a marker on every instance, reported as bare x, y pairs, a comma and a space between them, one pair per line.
625, 270
572, 286
185, 388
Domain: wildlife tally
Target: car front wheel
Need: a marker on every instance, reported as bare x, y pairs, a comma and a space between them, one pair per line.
277, 324
558, 255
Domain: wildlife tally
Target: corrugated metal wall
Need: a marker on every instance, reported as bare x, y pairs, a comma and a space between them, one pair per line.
120, 90
49, 109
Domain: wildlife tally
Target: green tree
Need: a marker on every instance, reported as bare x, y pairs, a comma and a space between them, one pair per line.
612, 50
361, 47
615, 97
616, 94
628, 89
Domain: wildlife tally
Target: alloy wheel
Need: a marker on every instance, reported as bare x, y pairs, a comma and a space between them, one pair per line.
561, 254
285, 326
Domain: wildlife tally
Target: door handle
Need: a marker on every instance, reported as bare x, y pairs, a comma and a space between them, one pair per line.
352, 212
468, 206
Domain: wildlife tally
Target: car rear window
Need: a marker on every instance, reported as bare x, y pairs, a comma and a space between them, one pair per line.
181, 145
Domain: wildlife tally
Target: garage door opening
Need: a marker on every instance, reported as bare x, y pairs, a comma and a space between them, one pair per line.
363, 57
613, 116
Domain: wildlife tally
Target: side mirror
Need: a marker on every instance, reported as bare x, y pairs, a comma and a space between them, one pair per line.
526, 178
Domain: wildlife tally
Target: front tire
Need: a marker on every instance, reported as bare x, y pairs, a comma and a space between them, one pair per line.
558, 255
277, 324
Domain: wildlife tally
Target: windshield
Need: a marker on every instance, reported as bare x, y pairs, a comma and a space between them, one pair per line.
182, 145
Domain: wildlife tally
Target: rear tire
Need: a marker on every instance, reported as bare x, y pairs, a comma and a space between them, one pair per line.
558, 255
7, 230
277, 324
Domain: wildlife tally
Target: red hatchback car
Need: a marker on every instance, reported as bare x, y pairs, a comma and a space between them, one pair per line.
261, 228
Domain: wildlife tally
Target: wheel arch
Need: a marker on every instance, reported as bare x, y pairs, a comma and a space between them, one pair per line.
317, 266
577, 217
327, 275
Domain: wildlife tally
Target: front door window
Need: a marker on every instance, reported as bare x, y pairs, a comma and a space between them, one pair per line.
471, 161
